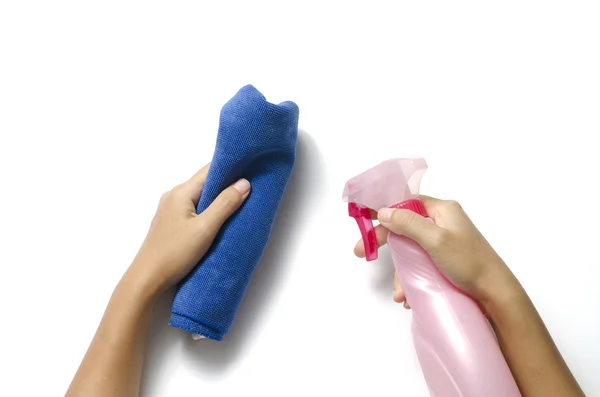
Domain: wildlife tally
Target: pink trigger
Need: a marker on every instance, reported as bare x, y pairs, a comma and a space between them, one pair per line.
365, 224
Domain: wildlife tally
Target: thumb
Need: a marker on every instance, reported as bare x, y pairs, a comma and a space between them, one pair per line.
411, 225
224, 206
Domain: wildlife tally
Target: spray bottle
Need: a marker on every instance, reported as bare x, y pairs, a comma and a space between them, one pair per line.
456, 347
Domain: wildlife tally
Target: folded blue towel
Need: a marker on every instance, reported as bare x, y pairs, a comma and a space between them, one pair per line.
256, 141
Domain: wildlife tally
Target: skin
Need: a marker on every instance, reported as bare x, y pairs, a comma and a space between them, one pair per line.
465, 257
178, 238
176, 241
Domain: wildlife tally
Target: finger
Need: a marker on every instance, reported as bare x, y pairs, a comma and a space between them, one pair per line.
192, 188
411, 225
381, 233
399, 296
224, 206
431, 204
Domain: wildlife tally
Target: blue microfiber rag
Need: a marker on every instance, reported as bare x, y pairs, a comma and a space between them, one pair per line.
256, 141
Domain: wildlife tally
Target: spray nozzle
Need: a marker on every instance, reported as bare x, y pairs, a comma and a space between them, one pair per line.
393, 183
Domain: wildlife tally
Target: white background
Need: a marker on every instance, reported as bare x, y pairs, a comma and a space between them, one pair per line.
104, 105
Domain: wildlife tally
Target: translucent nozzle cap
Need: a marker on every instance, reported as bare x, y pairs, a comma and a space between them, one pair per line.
385, 185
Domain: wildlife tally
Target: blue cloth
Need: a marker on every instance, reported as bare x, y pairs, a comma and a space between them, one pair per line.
256, 141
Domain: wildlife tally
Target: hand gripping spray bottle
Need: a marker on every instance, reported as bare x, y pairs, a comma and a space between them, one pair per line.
456, 347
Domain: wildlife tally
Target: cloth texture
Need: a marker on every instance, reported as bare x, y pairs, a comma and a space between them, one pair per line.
257, 141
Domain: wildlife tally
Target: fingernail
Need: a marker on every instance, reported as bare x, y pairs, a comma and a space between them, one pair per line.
385, 214
242, 186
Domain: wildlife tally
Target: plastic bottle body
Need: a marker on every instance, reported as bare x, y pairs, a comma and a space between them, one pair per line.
456, 346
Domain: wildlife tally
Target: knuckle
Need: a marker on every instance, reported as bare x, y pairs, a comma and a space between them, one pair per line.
403, 219
206, 227
202, 224
177, 191
452, 205
164, 196
229, 198
440, 238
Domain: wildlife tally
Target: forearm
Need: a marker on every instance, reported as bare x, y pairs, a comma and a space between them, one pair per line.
177, 240
112, 365
532, 356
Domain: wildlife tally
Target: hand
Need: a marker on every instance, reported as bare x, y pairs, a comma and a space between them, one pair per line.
455, 245
178, 238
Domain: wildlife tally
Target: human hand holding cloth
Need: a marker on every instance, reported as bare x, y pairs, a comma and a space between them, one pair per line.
257, 141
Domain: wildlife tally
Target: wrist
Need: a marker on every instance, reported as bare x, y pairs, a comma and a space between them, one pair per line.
140, 285
498, 289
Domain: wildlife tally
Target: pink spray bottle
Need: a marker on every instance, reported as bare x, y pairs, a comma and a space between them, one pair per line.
456, 347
